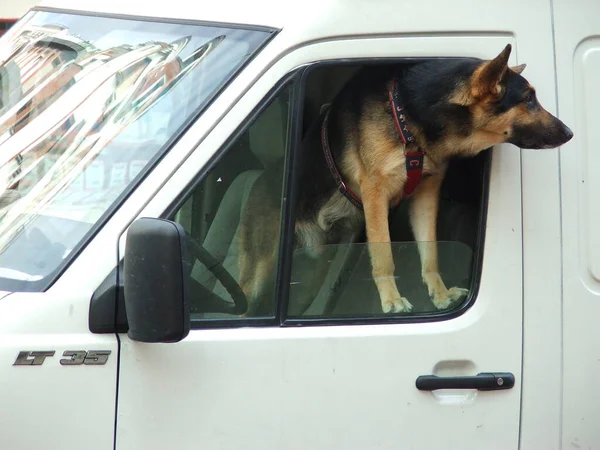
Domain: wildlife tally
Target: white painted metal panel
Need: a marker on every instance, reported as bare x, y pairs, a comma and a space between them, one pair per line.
577, 28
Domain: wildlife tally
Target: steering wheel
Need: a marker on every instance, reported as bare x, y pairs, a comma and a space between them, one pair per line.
211, 301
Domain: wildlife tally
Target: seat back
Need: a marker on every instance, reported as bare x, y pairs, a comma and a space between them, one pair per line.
266, 139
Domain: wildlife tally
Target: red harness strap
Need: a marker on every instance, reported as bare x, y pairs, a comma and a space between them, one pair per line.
414, 159
345, 190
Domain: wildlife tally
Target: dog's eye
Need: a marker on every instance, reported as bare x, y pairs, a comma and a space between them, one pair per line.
530, 98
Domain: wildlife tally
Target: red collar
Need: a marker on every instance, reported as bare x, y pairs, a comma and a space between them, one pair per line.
414, 159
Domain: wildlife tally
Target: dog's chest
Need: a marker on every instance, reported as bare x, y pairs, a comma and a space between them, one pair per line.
395, 174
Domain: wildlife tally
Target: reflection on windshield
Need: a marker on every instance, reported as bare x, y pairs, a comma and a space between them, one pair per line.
81, 117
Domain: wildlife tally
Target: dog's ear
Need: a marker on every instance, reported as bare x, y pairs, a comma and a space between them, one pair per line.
487, 81
519, 69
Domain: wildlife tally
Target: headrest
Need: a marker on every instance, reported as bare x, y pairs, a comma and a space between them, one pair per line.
268, 134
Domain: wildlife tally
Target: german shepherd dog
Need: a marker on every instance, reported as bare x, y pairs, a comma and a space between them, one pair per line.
446, 108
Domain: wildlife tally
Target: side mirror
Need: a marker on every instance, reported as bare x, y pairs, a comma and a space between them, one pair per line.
155, 281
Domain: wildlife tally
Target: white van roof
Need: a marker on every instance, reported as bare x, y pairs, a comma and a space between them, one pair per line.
261, 12
309, 20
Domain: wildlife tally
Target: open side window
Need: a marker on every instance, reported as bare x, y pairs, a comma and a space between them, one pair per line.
330, 283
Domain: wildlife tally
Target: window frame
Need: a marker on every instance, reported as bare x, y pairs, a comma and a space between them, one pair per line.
293, 78
477, 263
298, 78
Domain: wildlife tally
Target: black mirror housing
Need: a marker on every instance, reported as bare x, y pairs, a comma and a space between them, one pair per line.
155, 281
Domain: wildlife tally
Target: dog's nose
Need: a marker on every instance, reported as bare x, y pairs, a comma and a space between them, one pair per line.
567, 132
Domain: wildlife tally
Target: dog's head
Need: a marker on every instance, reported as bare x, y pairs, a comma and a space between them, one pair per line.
504, 104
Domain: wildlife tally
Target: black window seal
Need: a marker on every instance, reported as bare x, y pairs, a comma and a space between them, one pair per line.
291, 78
288, 210
172, 141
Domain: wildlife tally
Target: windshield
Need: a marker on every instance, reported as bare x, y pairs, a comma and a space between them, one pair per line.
86, 104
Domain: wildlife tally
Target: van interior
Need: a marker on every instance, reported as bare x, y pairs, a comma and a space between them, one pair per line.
211, 215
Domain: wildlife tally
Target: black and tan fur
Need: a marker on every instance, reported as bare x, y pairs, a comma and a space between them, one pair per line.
455, 107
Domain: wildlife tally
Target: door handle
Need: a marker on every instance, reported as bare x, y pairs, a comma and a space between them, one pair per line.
484, 381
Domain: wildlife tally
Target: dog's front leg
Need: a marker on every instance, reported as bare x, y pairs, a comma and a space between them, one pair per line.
376, 207
423, 218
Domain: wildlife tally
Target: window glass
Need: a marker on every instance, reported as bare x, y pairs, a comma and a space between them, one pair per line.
343, 286
232, 219
86, 103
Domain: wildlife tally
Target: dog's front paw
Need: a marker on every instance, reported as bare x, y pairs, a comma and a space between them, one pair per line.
396, 305
445, 299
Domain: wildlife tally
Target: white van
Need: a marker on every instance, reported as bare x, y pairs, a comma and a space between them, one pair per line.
128, 128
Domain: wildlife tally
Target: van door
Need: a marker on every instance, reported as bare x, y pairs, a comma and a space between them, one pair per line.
323, 368
577, 45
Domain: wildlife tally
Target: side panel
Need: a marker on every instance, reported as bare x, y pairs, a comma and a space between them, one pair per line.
51, 405
578, 66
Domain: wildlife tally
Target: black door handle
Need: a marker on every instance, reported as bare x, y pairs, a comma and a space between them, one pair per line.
482, 382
